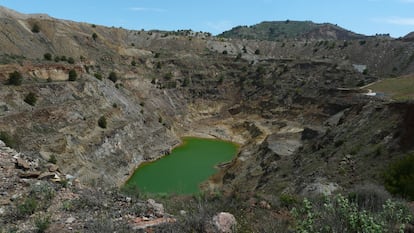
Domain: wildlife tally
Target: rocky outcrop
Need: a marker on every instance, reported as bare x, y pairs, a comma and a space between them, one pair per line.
225, 222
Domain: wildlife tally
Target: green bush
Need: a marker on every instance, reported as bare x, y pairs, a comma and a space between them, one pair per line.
113, 77
168, 76
7, 139
35, 28
47, 56
98, 76
71, 60
26, 208
52, 159
339, 214
42, 223
288, 200
15, 78
133, 63
30, 99
102, 122
399, 177
94, 36
257, 51
72, 75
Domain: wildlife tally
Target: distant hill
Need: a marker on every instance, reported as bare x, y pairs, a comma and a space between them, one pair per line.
301, 30
409, 37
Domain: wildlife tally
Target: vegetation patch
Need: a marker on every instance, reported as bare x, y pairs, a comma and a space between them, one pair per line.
399, 177
31, 99
15, 78
401, 88
339, 214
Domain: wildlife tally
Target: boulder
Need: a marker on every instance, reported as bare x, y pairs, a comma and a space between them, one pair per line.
47, 175
70, 220
21, 163
157, 208
52, 167
29, 174
225, 222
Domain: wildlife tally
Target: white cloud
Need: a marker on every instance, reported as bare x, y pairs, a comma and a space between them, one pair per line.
147, 9
397, 21
220, 26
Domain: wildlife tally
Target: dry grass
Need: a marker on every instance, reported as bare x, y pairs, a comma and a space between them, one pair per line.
401, 88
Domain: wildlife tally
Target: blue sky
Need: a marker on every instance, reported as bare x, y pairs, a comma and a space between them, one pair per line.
362, 16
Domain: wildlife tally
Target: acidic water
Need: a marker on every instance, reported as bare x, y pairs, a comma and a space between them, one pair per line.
185, 168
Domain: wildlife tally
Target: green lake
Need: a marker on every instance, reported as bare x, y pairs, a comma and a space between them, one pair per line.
182, 171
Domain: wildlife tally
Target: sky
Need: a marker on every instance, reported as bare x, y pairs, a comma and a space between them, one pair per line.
368, 17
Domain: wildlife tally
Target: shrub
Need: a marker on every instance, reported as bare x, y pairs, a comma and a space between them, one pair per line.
71, 60
26, 208
15, 78
98, 76
288, 200
42, 223
72, 75
63, 58
113, 77
52, 159
47, 56
36, 28
225, 52
133, 63
168, 76
339, 214
30, 99
57, 59
186, 82
7, 139
102, 122
399, 177
257, 51
94, 36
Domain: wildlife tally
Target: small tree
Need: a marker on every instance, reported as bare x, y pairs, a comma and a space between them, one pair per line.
72, 75
15, 78
8, 139
47, 56
71, 60
98, 76
168, 76
30, 99
36, 28
113, 77
133, 63
257, 51
94, 36
102, 122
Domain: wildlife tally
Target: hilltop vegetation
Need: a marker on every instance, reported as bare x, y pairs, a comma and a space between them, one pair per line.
288, 30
